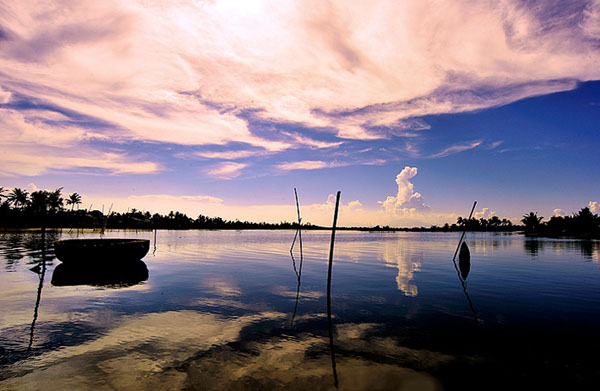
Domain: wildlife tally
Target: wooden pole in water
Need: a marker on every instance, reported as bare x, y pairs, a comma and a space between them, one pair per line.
298, 270
299, 232
462, 281
154, 251
329, 321
335, 216
465, 231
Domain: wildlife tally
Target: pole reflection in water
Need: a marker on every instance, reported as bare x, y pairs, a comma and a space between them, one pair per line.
41, 274
154, 250
298, 270
462, 271
464, 264
329, 321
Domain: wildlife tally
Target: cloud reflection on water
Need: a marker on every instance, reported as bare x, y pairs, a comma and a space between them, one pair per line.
407, 261
192, 350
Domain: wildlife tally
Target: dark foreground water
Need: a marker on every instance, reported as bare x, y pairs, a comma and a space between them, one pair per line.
224, 310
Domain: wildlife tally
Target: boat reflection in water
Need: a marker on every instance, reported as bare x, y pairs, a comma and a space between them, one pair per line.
464, 260
111, 274
462, 270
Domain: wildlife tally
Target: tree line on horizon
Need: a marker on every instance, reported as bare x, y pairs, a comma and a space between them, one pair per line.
43, 208
583, 224
19, 209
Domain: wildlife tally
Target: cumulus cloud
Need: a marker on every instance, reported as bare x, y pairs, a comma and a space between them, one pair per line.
558, 212
594, 206
352, 213
407, 262
407, 200
484, 213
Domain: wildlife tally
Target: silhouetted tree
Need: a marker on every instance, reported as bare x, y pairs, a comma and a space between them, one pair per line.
532, 222
74, 199
39, 202
585, 221
55, 200
494, 222
18, 197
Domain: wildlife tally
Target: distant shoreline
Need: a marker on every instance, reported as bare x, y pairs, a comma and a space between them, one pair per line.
20, 211
92, 230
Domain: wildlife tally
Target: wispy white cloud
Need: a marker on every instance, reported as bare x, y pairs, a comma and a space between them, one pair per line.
4, 96
226, 170
311, 143
590, 23
229, 155
175, 198
451, 150
28, 162
319, 164
495, 144
309, 165
155, 73
30, 146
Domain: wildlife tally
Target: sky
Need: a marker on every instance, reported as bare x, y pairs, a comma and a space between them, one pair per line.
411, 109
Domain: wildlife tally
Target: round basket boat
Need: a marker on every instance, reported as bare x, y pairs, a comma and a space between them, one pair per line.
83, 251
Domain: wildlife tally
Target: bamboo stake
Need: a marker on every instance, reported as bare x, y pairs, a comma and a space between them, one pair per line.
465, 231
298, 270
329, 321
462, 281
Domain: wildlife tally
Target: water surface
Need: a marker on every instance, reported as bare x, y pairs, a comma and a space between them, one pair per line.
224, 310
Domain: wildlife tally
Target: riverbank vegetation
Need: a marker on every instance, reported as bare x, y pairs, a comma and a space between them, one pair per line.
53, 209
583, 224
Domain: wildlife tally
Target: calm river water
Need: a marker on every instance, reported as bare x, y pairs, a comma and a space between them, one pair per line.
224, 310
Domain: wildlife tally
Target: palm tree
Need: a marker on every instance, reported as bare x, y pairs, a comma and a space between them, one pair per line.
39, 201
495, 221
55, 200
74, 199
2, 190
18, 197
531, 221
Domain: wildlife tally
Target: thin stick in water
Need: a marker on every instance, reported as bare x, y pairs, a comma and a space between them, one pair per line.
465, 231
298, 270
154, 251
329, 321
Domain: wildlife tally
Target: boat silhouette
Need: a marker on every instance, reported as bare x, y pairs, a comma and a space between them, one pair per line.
77, 251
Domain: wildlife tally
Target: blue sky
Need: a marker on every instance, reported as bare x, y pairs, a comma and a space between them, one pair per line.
412, 110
